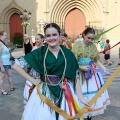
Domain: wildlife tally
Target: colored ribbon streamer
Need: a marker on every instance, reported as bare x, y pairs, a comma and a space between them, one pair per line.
102, 33
53, 106
93, 100
69, 97
99, 80
99, 70
93, 67
64, 43
56, 108
110, 48
85, 108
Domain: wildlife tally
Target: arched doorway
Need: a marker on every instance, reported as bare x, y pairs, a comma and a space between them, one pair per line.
15, 25
75, 22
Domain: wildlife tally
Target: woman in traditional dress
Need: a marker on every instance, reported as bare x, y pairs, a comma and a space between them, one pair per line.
65, 41
55, 76
87, 55
28, 85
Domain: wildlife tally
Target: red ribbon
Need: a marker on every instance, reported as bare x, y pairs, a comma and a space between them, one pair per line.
110, 48
68, 96
28, 85
94, 66
64, 43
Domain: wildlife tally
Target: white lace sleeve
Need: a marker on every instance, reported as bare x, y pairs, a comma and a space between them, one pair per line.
23, 64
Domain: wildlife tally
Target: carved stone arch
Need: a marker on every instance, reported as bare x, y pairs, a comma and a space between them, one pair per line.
59, 8
11, 9
67, 11
73, 7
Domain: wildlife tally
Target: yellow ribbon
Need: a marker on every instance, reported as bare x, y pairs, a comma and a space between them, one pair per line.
53, 106
104, 87
85, 108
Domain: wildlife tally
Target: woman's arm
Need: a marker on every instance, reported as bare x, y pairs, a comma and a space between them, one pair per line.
1, 65
25, 75
84, 68
31, 43
79, 93
101, 66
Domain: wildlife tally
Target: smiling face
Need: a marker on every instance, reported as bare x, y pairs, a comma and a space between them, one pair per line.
88, 38
26, 38
52, 37
38, 40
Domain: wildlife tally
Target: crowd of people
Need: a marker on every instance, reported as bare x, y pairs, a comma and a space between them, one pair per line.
61, 72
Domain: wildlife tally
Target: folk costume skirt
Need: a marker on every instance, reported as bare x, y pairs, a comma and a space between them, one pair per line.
26, 92
89, 90
35, 109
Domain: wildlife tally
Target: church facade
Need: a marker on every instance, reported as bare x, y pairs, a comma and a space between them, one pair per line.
73, 16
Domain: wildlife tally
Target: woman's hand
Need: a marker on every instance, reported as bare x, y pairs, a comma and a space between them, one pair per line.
102, 66
3, 69
36, 81
106, 70
84, 68
84, 102
79, 93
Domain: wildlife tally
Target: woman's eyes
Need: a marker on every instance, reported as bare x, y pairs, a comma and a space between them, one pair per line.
51, 35
47, 35
55, 34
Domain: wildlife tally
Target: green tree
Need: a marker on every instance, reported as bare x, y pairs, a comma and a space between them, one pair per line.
18, 40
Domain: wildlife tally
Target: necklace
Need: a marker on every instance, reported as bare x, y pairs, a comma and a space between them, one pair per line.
46, 75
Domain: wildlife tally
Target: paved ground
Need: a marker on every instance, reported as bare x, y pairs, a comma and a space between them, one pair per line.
11, 107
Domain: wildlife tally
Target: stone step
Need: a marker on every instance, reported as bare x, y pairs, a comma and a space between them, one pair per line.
106, 77
115, 80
